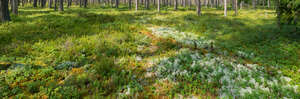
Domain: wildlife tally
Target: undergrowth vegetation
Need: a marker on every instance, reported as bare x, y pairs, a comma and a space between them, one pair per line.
107, 53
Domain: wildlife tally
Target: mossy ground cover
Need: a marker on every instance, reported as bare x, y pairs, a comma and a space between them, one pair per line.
104, 52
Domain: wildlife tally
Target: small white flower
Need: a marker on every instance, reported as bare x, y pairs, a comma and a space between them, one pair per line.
138, 58
127, 91
287, 79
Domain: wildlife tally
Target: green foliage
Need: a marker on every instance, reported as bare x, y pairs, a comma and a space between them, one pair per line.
106, 53
288, 12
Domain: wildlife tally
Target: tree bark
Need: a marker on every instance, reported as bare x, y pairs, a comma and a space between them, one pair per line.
14, 6
236, 7
254, 4
241, 4
190, 4
4, 12
43, 3
175, 4
117, 4
198, 2
34, 3
55, 5
268, 3
61, 5
263, 3
85, 3
147, 4
158, 5
50, 3
136, 4
225, 8
69, 3
129, 4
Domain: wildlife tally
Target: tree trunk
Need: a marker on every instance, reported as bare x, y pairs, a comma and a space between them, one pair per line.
190, 4
175, 4
198, 2
55, 5
225, 8
236, 7
69, 3
206, 3
129, 4
80, 3
254, 4
147, 3
241, 4
117, 4
268, 3
61, 5
43, 3
34, 3
263, 3
4, 12
232, 4
136, 4
85, 3
158, 5
14, 6
50, 3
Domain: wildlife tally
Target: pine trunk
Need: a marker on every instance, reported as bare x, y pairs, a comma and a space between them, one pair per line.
136, 4
50, 3
158, 5
14, 6
61, 5
55, 5
129, 4
225, 8
34, 3
175, 4
236, 7
198, 2
4, 12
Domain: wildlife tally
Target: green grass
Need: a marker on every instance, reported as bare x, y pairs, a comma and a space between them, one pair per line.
92, 53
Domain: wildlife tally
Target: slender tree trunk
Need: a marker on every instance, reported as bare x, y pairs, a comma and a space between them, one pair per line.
55, 5
206, 3
263, 3
158, 5
225, 8
241, 4
211, 3
136, 4
190, 4
254, 4
50, 3
268, 3
198, 2
80, 3
117, 4
175, 4
34, 3
85, 3
61, 5
14, 6
69, 3
232, 4
4, 12
43, 3
129, 4
147, 4
236, 7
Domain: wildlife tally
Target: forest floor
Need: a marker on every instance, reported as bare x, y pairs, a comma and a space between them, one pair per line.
104, 52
